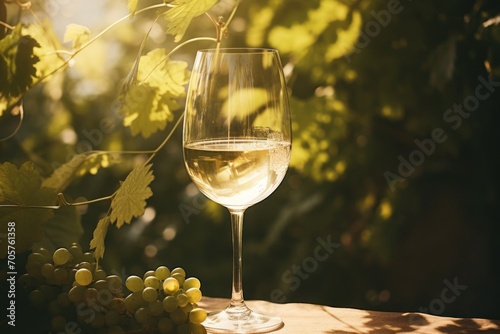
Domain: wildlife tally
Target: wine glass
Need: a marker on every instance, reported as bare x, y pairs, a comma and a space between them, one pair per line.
237, 142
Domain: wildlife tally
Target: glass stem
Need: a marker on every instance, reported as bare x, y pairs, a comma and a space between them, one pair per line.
237, 229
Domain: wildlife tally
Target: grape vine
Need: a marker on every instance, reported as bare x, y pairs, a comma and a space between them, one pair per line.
70, 285
148, 101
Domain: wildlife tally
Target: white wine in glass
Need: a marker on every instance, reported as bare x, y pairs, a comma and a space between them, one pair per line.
237, 142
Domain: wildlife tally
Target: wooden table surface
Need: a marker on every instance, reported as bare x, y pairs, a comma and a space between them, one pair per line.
312, 319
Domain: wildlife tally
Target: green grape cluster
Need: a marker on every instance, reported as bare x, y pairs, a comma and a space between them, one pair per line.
80, 296
166, 300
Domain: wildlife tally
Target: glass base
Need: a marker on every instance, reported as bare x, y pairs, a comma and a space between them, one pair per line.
240, 319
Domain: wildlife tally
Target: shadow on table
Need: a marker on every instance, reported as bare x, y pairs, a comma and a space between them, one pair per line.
381, 323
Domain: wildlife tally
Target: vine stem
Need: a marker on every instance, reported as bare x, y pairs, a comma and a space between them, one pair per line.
158, 149
6, 25
20, 123
61, 201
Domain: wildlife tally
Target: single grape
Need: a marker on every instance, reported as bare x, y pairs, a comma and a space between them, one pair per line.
34, 269
155, 307
47, 255
149, 294
37, 257
162, 273
91, 296
99, 274
76, 250
188, 308
178, 270
197, 315
47, 270
178, 276
61, 256
85, 265
182, 299
117, 304
152, 281
170, 285
148, 274
165, 325
88, 257
194, 295
134, 283
142, 315
170, 303
71, 274
77, 294
133, 302
60, 275
115, 284
83, 277
100, 284
178, 316
191, 282
197, 328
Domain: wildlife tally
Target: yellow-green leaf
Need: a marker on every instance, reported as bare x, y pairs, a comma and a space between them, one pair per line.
149, 101
97, 242
17, 66
183, 13
143, 112
169, 76
63, 175
130, 199
79, 165
78, 34
49, 42
23, 187
132, 6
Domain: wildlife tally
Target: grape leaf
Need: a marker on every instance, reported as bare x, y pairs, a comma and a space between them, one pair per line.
61, 230
149, 102
23, 187
132, 6
183, 13
169, 76
130, 199
76, 33
79, 165
63, 175
17, 66
97, 242
50, 60
142, 112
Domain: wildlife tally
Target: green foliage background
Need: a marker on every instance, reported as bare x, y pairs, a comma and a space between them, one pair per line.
357, 105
